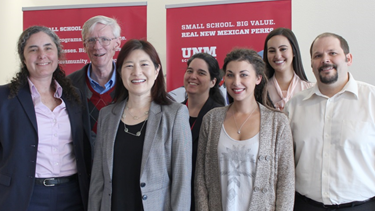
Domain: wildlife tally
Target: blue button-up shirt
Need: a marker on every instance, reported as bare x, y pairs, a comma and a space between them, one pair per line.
96, 86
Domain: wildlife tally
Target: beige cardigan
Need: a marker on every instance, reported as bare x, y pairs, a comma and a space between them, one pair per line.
273, 187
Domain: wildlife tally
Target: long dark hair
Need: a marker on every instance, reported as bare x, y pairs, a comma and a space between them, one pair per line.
251, 56
214, 70
297, 60
20, 79
158, 92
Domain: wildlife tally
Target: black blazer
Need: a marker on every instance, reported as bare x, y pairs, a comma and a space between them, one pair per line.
210, 104
19, 144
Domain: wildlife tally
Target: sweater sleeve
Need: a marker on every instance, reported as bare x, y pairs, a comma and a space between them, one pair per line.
200, 188
285, 187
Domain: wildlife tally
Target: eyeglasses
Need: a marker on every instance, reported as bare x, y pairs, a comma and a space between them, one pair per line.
102, 40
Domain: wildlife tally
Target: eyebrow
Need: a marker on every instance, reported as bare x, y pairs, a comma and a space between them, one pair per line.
35, 46
130, 61
329, 50
241, 71
199, 69
277, 47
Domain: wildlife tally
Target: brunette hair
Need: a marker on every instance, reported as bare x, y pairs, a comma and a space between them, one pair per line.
20, 79
214, 70
158, 92
251, 56
297, 60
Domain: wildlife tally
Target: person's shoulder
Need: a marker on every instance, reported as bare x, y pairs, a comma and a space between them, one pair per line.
363, 86
78, 74
4, 91
215, 112
4, 87
108, 108
172, 109
298, 97
173, 106
272, 112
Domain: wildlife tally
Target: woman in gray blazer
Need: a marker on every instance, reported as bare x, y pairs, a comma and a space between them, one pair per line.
143, 148
245, 150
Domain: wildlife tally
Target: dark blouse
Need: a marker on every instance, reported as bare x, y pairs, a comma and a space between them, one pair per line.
127, 159
195, 124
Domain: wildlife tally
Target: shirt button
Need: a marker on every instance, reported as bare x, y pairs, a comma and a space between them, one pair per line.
143, 184
256, 189
264, 190
268, 157
144, 197
261, 158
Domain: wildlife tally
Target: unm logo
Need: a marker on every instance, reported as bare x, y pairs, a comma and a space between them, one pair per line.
188, 52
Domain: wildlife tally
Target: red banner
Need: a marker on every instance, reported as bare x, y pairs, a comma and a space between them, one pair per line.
217, 29
67, 23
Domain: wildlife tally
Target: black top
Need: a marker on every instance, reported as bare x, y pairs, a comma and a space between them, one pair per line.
127, 159
192, 121
195, 124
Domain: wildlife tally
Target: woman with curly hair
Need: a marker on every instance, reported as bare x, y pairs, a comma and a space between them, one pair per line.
45, 153
245, 150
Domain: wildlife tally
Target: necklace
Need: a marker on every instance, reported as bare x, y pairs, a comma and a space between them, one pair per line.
126, 130
239, 130
134, 117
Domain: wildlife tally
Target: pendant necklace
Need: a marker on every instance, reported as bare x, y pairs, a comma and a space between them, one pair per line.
239, 130
134, 117
126, 130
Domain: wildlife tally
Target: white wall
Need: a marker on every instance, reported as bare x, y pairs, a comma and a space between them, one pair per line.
350, 19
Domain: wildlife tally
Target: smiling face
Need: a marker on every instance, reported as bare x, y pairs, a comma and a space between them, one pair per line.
329, 62
197, 79
101, 56
280, 54
138, 73
41, 57
241, 79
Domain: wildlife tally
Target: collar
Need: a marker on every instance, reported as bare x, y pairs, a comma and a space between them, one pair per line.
350, 87
111, 81
35, 94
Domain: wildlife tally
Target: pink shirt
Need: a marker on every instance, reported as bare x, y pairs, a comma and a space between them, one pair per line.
55, 156
281, 97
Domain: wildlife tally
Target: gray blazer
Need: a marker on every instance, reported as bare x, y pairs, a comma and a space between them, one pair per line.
166, 159
273, 187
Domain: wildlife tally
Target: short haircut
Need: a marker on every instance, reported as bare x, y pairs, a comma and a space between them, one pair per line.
91, 23
343, 43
